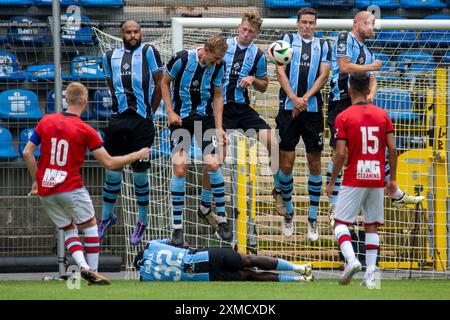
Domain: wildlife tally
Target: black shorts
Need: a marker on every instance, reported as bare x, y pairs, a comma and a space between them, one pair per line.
203, 128
334, 108
242, 116
224, 265
308, 125
129, 132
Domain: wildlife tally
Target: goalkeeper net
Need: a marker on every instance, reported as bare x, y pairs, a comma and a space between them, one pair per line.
412, 87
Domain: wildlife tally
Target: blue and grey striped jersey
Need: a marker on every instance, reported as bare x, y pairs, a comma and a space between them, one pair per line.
131, 75
193, 84
241, 63
163, 262
346, 46
304, 69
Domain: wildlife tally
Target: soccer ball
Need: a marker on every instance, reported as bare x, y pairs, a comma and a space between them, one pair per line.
280, 52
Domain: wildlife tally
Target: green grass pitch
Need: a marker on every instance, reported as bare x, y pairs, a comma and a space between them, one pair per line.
319, 289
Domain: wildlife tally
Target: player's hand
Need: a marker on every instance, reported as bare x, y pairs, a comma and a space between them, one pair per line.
247, 81
376, 65
174, 119
300, 104
221, 136
369, 98
144, 154
34, 189
391, 187
329, 189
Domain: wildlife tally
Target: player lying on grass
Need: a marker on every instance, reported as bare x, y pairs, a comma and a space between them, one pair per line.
64, 138
161, 261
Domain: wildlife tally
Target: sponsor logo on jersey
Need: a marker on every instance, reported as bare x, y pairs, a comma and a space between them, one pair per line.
53, 177
368, 170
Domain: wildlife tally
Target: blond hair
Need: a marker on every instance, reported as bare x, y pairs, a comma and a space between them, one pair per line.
75, 93
217, 44
253, 17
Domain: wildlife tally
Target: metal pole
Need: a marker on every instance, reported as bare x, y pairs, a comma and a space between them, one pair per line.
56, 13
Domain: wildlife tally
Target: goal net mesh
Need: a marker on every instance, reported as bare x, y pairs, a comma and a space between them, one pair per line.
412, 87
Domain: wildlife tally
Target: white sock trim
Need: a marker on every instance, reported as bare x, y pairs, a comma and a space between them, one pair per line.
177, 226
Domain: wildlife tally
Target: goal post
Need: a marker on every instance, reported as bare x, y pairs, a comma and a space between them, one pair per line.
413, 87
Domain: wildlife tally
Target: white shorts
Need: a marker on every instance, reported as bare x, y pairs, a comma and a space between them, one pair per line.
351, 200
67, 207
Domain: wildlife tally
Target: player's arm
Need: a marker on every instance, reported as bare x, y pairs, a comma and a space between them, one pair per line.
320, 81
157, 94
338, 160
392, 159
156, 68
174, 119
373, 88
218, 111
107, 70
259, 84
30, 162
345, 66
282, 78
114, 163
259, 80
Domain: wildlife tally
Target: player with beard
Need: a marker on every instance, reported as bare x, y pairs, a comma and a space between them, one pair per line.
130, 72
351, 54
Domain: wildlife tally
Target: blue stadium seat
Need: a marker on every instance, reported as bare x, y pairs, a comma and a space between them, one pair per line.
397, 102
287, 4
413, 62
446, 57
161, 147
102, 3
23, 31
17, 104
333, 3
48, 3
101, 108
20, 3
75, 30
422, 4
7, 151
384, 4
50, 104
394, 38
9, 68
24, 137
44, 72
87, 68
3, 33
435, 38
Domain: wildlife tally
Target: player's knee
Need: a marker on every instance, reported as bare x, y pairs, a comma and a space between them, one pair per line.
371, 228
140, 166
92, 222
314, 164
212, 167
179, 171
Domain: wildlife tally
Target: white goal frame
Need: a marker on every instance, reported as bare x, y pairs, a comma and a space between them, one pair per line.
178, 25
